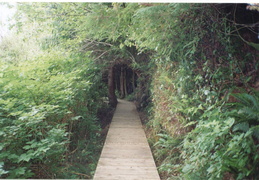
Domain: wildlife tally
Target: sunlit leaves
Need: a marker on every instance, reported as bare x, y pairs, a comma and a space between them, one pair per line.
39, 98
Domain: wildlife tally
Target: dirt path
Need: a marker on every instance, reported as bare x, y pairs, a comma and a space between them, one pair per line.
126, 154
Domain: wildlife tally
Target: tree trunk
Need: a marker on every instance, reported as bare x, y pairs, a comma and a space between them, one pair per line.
125, 81
111, 88
133, 81
122, 94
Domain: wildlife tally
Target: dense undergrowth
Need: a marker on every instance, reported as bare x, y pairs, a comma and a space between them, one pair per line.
48, 114
48, 117
197, 81
198, 129
49, 103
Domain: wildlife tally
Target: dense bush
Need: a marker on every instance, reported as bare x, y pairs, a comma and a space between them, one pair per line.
198, 64
218, 145
50, 94
47, 104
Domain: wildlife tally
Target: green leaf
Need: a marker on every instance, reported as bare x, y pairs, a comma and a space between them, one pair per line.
19, 171
13, 157
1, 146
25, 157
2, 171
190, 123
244, 127
187, 168
230, 122
76, 118
122, 46
27, 147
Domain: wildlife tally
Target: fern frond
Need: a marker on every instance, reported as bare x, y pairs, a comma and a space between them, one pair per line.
248, 107
244, 127
254, 100
242, 98
255, 131
251, 113
150, 11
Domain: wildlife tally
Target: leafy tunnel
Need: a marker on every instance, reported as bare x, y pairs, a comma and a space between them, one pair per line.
121, 80
125, 80
192, 70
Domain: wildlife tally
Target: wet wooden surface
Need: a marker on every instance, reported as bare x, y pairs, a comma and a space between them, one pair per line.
126, 154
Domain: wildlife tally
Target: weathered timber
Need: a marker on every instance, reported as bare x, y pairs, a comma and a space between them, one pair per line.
126, 154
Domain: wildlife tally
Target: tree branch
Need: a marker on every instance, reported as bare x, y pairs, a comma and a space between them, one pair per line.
81, 174
248, 25
102, 54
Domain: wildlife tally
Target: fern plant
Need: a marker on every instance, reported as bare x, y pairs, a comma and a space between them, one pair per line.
246, 113
167, 154
213, 148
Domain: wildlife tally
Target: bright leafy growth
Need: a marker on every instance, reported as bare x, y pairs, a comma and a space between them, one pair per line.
197, 79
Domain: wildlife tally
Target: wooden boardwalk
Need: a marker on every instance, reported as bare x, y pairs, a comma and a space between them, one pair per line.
126, 154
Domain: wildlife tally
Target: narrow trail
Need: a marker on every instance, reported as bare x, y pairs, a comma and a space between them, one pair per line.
126, 154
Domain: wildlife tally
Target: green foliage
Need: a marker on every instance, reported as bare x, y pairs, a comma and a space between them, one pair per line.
211, 149
246, 113
225, 142
156, 27
111, 23
50, 93
48, 102
197, 65
41, 102
247, 107
130, 97
167, 152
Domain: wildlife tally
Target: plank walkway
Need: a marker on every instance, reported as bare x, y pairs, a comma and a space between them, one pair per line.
126, 154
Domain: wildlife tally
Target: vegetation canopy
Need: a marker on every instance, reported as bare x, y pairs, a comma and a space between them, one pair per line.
191, 69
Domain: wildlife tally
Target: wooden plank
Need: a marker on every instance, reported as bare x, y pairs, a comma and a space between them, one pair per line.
128, 171
126, 162
126, 154
121, 177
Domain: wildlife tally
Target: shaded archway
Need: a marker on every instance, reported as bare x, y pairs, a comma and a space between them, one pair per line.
111, 87
125, 79
121, 80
